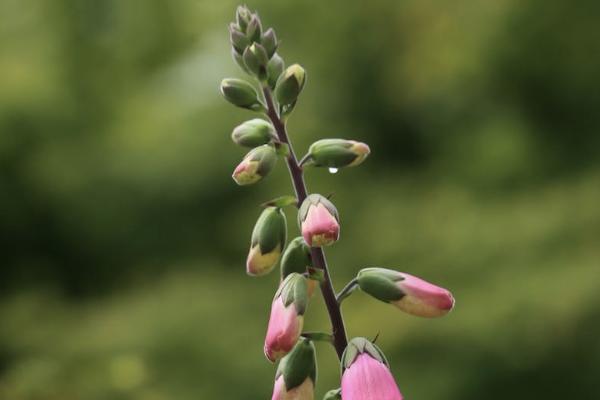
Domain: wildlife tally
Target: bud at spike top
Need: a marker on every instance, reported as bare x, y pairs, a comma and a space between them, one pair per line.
243, 16
409, 293
253, 133
290, 84
268, 240
256, 60
319, 221
238, 39
366, 374
269, 42
297, 258
297, 373
338, 153
257, 164
287, 317
241, 94
254, 30
274, 70
333, 395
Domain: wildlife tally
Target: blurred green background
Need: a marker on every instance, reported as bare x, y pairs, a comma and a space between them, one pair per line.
124, 237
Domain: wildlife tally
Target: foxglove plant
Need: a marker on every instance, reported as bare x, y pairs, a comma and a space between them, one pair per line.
366, 373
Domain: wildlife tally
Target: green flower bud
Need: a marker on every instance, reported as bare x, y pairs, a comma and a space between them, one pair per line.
269, 42
268, 240
257, 164
254, 30
238, 39
335, 394
253, 133
380, 283
243, 16
256, 60
290, 85
360, 345
297, 258
337, 153
274, 70
241, 94
239, 60
297, 372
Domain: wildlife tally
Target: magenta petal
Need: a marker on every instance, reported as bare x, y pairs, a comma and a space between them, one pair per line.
283, 331
369, 379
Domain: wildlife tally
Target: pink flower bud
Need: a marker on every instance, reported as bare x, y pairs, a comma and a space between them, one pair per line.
257, 164
287, 317
297, 373
319, 221
422, 298
303, 392
369, 379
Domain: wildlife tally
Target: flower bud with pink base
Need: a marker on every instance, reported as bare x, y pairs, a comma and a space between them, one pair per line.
319, 221
297, 373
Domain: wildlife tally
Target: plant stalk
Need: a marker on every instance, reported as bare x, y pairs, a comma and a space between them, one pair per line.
340, 340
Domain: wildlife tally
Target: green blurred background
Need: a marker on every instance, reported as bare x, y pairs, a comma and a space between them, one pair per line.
124, 237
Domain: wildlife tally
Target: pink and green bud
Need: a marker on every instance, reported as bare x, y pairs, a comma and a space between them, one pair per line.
366, 374
297, 258
290, 85
409, 293
287, 317
257, 164
253, 133
268, 240
319, 221
256, 60
240, 93
297, 373
335, 394
337, 153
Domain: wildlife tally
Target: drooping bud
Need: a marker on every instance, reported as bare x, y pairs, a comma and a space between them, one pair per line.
256, 60
268, 240
269, 42
257, 164
253, 133
241, 94
297, 258
242, 17
297, 373
238, 39
337, 153
290, 84
366, 374
275, 68
409, 293
319, 221
335, 394
287, 317
254, 29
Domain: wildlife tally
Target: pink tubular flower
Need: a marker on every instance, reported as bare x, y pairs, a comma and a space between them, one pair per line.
287, 317
319, 221
409, 293
366, 374
303, 392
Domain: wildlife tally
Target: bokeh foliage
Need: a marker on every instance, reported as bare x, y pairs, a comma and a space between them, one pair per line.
124, 237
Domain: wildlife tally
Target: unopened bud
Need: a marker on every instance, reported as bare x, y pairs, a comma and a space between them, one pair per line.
241, 94
243, 16
409, 293
319, 221
333, 395
256, 60
366, 374
287, 317
257, 164
297, 373
238, 39
254, 29
275, 68
337, 153
290, 84
268, 240
297, 258
269, 42
253, 133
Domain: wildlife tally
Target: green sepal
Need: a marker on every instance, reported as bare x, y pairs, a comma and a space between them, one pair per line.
294, 289
256, 60
240, 93
358, 346
282, 201
334, 153
269, 42
283, 149
243, 16
266, 157
314, 200
335, 394
270, 230
275, 68
253, 133
296, 258
254, 29
290, 85
298, 364
239, 60
238, 39
380, 283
